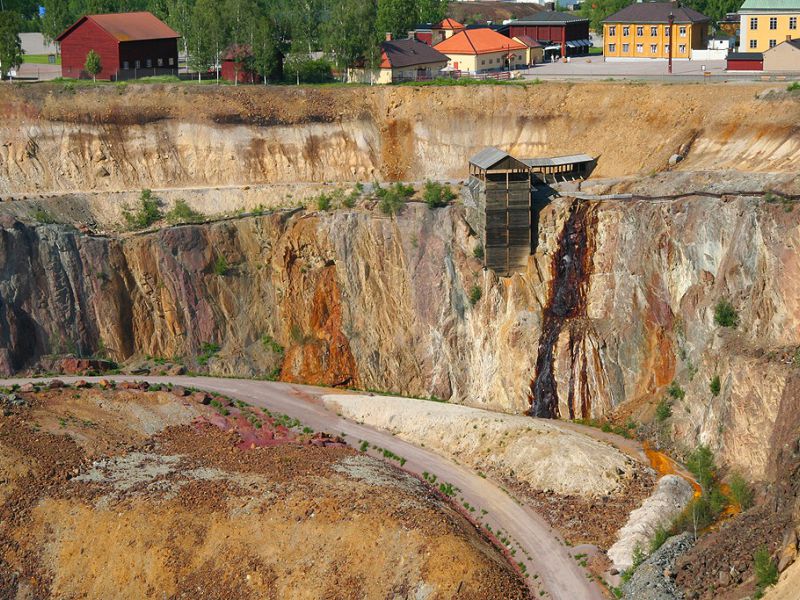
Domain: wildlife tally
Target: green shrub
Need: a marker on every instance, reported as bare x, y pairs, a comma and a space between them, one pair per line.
477, 252
475, 294
183, 213
299, 66
741, 492
794, 86
323, 202
676, 391
725, 315
391, 202
350, 200
436, 194
661, 536
715, 386
765, 568
148, 212
221, 267
663, 410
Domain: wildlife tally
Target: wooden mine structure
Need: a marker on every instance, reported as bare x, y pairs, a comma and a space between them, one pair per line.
498, 199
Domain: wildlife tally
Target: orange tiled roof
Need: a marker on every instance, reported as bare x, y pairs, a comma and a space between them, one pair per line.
477, 41
448, 23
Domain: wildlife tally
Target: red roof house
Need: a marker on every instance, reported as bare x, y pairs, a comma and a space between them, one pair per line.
124, 41
444, 29
481, 50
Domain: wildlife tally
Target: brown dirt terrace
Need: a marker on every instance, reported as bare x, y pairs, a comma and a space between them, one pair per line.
169, 494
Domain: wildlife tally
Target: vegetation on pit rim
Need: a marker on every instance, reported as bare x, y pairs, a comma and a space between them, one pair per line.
181, 212
437, 194
148, 212
392, 200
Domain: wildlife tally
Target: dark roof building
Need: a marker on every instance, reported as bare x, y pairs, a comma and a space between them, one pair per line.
656, 12
404, 53
136, 40
565, 33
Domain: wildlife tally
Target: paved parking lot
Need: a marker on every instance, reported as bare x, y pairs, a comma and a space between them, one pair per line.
586, 67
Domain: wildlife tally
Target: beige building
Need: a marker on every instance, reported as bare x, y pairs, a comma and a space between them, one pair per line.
535, 51
482, 50
783, 57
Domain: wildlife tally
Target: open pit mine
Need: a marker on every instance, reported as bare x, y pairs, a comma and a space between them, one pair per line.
479, 342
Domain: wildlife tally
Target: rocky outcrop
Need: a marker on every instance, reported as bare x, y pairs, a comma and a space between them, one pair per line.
654, 579
359, 300
115, 138
670, 497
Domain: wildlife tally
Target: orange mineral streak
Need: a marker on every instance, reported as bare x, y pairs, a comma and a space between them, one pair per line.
664, 465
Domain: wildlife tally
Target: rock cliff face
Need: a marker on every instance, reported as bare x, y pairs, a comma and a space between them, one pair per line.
117, 138
365, 301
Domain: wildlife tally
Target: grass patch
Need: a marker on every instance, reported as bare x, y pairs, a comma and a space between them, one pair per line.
675, 391
393, 199
475, 294
159, 79
208, 350
221, 267
794, 86
269, 343
43, 217
39, 59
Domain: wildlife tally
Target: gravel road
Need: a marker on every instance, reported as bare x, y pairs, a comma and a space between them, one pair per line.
540, 549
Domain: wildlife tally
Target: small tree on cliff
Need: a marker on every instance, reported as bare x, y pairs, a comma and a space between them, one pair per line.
93, 66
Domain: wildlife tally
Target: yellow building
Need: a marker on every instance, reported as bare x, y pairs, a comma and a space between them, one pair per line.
642, 30
767, 23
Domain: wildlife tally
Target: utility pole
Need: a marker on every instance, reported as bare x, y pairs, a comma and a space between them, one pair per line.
671, 23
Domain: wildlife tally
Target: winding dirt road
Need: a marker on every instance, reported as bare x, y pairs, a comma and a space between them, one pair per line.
542, 551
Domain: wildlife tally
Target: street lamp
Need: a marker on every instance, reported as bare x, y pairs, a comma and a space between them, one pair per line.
671, 23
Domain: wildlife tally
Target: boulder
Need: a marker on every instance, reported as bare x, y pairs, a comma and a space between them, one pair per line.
79, 366
201, 398
56, 384
179, 391
176, 370
106, 384
27, 388
788, 553
675, 159
82, 383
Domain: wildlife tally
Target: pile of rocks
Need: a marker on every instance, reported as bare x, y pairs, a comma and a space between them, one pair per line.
655, 577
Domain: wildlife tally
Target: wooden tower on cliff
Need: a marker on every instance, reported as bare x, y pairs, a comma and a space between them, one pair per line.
498, 208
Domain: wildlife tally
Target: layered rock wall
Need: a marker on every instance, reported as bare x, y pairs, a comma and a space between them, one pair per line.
365, 301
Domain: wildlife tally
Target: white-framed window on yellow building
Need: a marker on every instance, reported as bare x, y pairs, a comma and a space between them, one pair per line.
639, 30
666, 48
773, 23
682, 49
612, 30
653, 48
626, 48
666, 31
753, 44
792, 22
682, 31
626, 31
639, 48
773, 43
753, 23
654, 31
612, 48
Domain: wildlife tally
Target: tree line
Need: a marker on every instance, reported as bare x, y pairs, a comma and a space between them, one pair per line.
348, 32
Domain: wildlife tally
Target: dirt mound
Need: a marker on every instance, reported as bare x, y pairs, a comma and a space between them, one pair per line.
166, 495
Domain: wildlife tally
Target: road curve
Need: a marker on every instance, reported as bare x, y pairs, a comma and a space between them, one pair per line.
559, 574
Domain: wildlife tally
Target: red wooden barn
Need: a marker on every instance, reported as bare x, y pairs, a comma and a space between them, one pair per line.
237, 64
564, 32
125, 41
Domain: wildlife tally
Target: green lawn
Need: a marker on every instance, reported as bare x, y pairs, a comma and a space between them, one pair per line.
38, 59
593, 51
